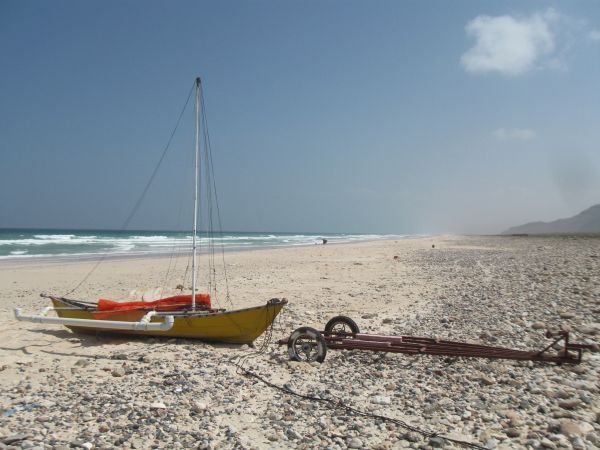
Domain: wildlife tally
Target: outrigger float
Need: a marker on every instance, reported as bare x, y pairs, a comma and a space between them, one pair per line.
342, 333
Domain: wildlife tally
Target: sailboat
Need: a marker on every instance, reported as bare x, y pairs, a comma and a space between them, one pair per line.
183, 316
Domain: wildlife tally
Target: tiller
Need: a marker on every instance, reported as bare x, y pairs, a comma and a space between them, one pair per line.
341, 332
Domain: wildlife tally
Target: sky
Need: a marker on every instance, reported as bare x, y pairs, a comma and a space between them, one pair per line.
325, 116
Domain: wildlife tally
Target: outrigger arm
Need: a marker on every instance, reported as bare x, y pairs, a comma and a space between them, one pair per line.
143, 324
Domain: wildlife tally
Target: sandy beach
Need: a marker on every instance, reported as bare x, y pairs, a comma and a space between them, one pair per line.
61, 390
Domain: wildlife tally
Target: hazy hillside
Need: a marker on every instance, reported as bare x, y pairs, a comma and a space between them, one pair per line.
587, 221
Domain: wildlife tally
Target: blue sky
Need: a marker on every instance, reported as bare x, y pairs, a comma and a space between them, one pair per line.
386, 116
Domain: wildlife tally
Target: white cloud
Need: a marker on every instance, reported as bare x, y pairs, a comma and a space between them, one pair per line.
594, 35
510, 45
514, 134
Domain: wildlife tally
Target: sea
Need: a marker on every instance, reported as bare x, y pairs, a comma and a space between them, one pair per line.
31, 243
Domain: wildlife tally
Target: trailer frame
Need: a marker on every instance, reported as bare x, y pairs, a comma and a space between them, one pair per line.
342, 333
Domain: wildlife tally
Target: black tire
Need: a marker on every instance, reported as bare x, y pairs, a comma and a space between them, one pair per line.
307, 344
342, 324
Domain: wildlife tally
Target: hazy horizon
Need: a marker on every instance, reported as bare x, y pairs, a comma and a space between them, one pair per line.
350, 117
225, 231
182, 230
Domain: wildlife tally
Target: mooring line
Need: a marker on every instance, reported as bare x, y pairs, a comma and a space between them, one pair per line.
340, 404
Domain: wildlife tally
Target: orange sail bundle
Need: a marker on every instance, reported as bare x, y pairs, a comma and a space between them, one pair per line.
106, 308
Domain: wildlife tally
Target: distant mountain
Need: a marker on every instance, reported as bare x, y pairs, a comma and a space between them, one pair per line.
587, 221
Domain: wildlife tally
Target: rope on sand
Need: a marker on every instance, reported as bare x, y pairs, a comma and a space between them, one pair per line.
339, 404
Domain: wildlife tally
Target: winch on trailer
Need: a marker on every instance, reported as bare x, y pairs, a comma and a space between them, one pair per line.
341, 332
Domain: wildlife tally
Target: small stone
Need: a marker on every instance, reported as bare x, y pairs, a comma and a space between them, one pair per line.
293, 434
14, 438
538, 325
512, 432
564, 394
491, 443
199, 407
387, 320
137, 443
570, 403
578, 443
566, 315
413, 436
591, 329
514, 418
87, 445
458, 436
355, 443
572, 428
158, 405
437, 442
485, 434
547, 443
381, 400
488, 381
118, 372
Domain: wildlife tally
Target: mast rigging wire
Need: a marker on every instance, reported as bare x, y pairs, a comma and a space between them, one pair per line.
209, 162
142, 195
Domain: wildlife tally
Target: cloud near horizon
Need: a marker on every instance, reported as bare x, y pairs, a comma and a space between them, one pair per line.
510, 45
514, 134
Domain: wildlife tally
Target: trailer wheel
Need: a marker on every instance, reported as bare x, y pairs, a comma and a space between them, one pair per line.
307, 344
342, 324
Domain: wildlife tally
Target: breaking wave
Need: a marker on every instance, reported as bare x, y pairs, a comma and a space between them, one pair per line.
32, 244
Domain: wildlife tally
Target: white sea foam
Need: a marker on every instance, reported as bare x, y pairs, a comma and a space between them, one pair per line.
45, 240
59, 245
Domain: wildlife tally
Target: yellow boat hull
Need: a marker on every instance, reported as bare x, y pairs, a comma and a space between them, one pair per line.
240, 326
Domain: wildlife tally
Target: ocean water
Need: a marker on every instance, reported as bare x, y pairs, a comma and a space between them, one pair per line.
29, 243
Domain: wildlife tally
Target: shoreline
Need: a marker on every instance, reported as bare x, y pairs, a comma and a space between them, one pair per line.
74, 244
42, 260
67, 259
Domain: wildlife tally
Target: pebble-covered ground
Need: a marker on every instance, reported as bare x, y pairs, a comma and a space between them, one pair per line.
501, 291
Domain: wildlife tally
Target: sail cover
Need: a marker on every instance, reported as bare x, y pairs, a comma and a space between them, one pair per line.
177, 303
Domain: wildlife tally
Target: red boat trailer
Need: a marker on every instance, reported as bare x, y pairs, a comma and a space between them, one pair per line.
341, 332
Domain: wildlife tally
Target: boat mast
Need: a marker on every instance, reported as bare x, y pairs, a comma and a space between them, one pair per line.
196, 166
